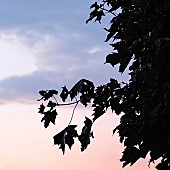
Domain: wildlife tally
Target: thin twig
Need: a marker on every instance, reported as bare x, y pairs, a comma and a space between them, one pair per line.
64, 104
55, 100
73, 112
113, 13
67, 104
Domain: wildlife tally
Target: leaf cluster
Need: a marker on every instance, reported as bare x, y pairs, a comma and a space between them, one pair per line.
141, 31
139, 34
85, 90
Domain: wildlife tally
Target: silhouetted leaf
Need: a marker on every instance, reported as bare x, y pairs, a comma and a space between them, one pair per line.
85, 88
86, 133
59, 139
66, 136
51, 105
42, 92
95, 5
76, 89
113, 59
130, 155
164, 165
49, 116
71, 134
41, 108
47, 94
64, 94
52, 92
96, 13
98, 111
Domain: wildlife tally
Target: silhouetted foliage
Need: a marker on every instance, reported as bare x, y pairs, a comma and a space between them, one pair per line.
139, 32
66, 136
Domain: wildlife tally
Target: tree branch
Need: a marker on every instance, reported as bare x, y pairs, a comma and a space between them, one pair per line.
67, 104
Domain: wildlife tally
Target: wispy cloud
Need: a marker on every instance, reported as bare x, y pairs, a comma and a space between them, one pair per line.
33, 60
49, 47
16, 57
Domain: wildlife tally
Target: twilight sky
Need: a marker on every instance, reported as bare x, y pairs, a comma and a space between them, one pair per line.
43, 45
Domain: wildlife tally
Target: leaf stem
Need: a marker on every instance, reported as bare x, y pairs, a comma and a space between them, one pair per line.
66, 104
55, 100
73, 111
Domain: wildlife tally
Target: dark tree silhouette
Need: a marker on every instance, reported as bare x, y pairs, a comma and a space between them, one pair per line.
139, 32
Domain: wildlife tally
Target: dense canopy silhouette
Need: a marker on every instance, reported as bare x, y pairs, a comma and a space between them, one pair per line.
139, 34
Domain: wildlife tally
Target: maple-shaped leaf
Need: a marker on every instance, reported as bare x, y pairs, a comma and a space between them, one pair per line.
85, 87
71, 130
76, 89
71, 134
98, 111
59, 139
52, 92
66, 137
99, 16
51, 105
88, 123
86, 133
69, 140
41, 109
49, 116
47, 94
95, 5
113, 84
118, 58
130, 156
94, 13
113, 59
164, 165
42, 93
64, 94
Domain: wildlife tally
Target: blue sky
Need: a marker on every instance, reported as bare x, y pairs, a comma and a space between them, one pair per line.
47, 44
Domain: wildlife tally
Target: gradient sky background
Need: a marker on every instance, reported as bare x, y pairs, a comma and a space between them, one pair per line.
45, 45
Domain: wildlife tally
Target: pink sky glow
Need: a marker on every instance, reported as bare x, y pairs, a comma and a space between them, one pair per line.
25, 144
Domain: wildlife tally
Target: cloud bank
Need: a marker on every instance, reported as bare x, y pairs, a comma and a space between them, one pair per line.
47, 47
